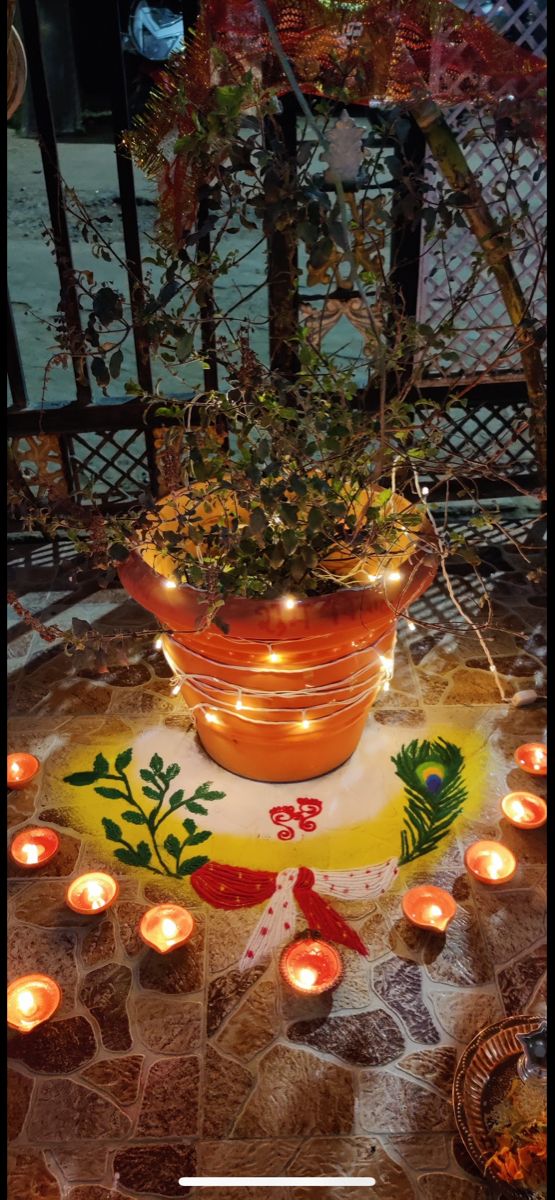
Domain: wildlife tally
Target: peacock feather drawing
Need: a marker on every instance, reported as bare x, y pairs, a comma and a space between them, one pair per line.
432, 773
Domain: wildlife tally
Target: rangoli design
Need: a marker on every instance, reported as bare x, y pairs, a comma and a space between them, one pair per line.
152, 826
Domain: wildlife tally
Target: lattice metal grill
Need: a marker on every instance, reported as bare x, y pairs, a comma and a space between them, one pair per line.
470, 437
114, 463
483, 330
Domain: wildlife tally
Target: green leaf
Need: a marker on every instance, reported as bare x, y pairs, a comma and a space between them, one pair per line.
128, 857
196, 808
112, 830
144, 853
193, 864
184, 346
150, 778
101, 765
134, 817
123, 759
196, 838
189, 825
81, 778
172, 845
203, 793
156, 764
114, 365
176, 798
111, 793
152, 795
171, 772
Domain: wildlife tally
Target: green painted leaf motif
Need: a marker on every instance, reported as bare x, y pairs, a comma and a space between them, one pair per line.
189, 825
81, 778
134, 817
172, 771
156, 763
192, 864
176, 798
196, 808
172, 845
147, 775
152, 795
127, 856
101, 765
112, 830
196, 838
110, 793
203, 792
144, 853
123, 759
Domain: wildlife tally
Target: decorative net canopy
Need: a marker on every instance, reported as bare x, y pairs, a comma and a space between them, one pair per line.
396, 52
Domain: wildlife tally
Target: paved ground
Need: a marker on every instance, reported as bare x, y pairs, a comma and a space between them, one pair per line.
155, 1069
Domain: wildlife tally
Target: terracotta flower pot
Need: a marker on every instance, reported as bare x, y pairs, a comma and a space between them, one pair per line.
253, 688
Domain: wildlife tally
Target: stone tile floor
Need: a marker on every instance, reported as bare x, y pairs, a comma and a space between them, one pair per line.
153, 1069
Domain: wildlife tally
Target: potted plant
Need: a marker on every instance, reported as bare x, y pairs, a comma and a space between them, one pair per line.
279, 573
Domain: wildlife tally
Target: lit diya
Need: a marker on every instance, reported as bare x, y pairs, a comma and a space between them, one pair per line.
92, 893
429, 907
490, 862
532, 757
166, 926
311, 965
22, 768
33, 847
524, 810
32, 999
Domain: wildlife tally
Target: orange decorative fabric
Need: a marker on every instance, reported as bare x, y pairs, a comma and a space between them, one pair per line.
386, 52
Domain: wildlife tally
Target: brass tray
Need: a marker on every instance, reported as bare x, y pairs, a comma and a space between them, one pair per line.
484, 1072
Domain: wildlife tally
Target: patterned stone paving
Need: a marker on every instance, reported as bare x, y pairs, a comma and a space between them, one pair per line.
156, 1068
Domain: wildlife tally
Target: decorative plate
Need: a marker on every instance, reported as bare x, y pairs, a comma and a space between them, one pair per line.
484, 1072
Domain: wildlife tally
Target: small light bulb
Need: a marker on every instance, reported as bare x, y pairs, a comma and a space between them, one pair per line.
289, 601
372, 578
170, 583
158, 643
15, 769
211, 718
305, 723
411, 626
273, 657
394, 576
386, 685
425, 491
176, 689
239, 703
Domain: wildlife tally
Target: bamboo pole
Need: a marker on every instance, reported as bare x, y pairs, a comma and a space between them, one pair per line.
497, 250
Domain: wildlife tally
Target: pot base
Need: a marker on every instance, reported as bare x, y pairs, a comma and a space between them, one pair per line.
279, 762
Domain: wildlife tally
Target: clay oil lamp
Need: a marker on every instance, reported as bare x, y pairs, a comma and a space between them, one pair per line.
92, 893
22, 768
32, 999
532, 757
429, 907
33, 847
524, 810
311, 966
490, 862
165, 927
